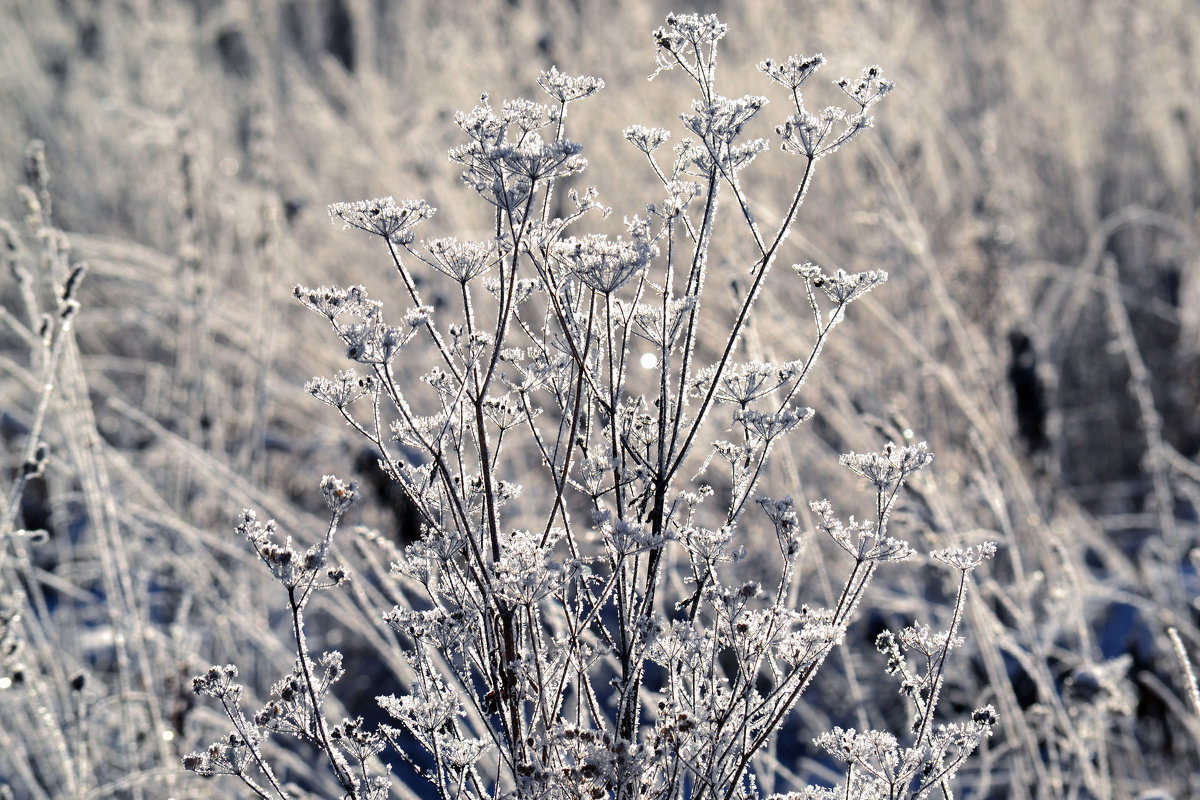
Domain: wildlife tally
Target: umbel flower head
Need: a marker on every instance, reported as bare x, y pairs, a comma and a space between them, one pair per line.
890, 467
607, 264
793, 72
382, 216
842, 287
462, 261
566, 89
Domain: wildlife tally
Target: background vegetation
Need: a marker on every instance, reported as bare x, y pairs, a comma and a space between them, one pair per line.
1032, 189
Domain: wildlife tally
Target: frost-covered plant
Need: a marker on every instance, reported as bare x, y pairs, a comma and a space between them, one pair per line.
587, 641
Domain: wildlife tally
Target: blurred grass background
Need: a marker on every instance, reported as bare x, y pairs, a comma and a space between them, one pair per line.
1031, 187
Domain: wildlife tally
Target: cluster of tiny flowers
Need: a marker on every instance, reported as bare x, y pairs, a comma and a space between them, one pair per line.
332, 302
359, 741
646, 139
890, 467
289, 566
746, 382
462, 261
860, 539
793, 72
842, 287
661, 326
878, 764
965, 558
782, 514
369, 340
229, 757
680, 195
920, 638
868, 89
382, 216
507, 155
566, 89
292, 709
527, 571
607, 264
218, 682
721, 120
765, 426
685, 37
806, 133
815, 634
338, 494
343, 389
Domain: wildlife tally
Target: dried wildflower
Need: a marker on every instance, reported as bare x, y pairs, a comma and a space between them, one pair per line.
815, 634
534, 159
868, 89
218, 682
529, 607
765, 426
566, 89
373, 341
462, 261
922, 639
481, 124
782, 514
346, 387
710, 545
526, 116
679, 195
646, 139
860, 539
793, 72
527, 570
805, 133
688, 40
965, 558
338, 494
869, 747
506, 412
382, 216
607, 264
747, 382
841, 287
426, 712
719, 121
890, 467
332, 302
